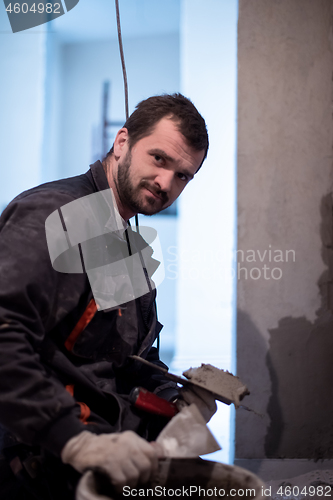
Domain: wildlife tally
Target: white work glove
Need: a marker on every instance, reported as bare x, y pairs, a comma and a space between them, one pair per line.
125, 457
203, 399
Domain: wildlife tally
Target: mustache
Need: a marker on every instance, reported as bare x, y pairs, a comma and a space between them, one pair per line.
158, 192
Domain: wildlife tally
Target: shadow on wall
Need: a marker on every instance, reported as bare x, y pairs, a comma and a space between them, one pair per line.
252, 370
300, 363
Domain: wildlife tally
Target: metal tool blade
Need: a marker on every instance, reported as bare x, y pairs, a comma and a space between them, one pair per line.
180, 380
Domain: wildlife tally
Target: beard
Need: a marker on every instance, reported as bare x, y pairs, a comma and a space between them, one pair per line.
132, 195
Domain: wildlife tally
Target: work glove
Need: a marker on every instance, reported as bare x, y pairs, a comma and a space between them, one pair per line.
125, 457
204, 400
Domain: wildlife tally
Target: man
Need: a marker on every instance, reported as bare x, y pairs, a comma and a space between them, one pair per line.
65, 370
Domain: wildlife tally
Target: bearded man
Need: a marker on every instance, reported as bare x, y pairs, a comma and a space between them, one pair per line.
71, 317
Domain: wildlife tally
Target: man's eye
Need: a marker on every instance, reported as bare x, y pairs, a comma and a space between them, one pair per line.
182, 177
158, 158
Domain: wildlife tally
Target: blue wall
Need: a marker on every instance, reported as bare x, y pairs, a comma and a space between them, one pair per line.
152, 67
51, 95
22, 78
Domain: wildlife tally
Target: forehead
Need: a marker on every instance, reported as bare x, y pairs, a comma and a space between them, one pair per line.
167, 137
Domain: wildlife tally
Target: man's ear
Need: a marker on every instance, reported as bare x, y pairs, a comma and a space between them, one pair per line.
120, 142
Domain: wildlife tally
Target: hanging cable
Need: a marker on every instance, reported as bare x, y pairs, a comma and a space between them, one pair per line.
122, 57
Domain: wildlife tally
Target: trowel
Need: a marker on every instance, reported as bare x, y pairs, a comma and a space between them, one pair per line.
224, 386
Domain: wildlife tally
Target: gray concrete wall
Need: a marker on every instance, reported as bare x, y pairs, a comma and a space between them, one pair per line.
285, 322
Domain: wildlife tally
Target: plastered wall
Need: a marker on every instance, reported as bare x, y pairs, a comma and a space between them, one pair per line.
285, 264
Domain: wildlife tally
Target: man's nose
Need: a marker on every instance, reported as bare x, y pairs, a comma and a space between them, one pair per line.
164, 180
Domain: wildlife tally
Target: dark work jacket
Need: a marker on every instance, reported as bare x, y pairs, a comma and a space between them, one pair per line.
39, 308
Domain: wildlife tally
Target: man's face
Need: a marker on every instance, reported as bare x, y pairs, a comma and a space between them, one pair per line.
152, 174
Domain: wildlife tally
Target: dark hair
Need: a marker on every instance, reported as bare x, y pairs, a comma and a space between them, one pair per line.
180, 109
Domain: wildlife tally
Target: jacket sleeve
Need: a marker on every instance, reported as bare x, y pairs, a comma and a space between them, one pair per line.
35, 406
155, 381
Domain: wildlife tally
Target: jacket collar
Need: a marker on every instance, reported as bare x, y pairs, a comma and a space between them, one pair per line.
100, 179
115, 222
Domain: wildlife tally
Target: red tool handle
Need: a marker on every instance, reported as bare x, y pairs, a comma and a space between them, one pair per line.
149, 402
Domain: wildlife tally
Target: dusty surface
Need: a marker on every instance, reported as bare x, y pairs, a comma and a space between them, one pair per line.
220, 382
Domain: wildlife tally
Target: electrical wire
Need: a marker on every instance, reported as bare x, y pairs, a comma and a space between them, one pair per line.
122, 57
123, 65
